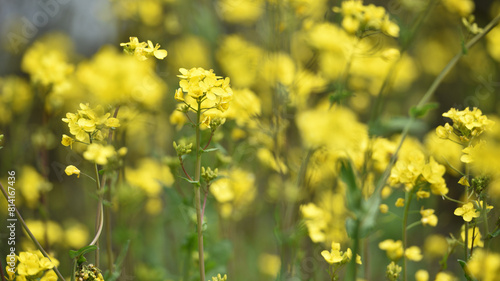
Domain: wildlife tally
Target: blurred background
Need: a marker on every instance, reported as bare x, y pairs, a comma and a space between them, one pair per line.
285, 59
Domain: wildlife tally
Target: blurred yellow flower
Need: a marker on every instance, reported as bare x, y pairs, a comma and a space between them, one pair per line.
394, 249
129, 81
241, 11
413, 253
474, 236
484, 265
428, 217
99, 153
269, 264
150, 175
31, 184
435, 245
461, 7
236, 192
400, 202
46, 60
445, 276
384, 208
76, 235
421, 275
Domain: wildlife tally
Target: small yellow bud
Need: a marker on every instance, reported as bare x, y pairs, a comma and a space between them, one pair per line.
463, 181
384, 208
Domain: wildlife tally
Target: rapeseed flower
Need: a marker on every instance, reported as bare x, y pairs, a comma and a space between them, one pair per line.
413, 253
99, 154
484, 265
428, 217
467, 124
143, 50
88, 122
467, 211
358, 17
394, 249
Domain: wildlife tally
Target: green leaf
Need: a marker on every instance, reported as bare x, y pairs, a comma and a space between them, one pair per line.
81, 259
463, 264
495, 233
210, 149
82, 251
353, 195
190, 181
350, 227
369, 219
118, 263
421, 111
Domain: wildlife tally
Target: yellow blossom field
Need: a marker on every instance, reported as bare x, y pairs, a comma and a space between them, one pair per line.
238, 140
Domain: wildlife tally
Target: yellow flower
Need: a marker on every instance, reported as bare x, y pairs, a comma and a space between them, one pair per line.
400, 202
67, 141
179, 95
72, 170
467, 123
155, 51
474, 237
383, 208
445, 276
220, 278
334, 255
394, 249
49, 276
421, 275
467, 211
428, 217
143, 50
269, 264
484, 265
413, 253
199, 83
460, 7
99, 153
133, 45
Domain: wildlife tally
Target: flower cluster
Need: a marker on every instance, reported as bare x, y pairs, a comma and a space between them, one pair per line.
467, 125
336, 256
203, 86
32, 265
143, 50
89, 273
220, 278
88, 124
394, 250
412, 170
359, 18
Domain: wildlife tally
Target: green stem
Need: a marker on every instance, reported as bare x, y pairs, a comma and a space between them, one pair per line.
351, 267
99, 216
20, 218
429, 94
466, 241
197, 197
486, 231
413, 225
454, 61
408, 197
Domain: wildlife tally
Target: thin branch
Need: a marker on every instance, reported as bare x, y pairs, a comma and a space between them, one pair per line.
31, 234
